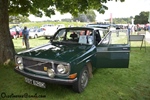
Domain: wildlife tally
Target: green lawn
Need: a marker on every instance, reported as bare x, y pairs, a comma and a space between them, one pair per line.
39, 24
131, 83
32, 42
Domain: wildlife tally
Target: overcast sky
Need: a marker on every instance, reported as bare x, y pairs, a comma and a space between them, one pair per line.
126, 9
118, 10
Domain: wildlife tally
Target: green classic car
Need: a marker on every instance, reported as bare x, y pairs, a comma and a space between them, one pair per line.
71, 56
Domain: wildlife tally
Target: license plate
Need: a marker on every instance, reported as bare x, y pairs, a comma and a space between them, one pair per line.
36, 83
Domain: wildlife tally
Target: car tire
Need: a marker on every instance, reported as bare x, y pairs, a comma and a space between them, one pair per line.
82, 81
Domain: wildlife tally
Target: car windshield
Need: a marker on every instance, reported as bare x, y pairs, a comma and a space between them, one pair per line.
77, 36
32, 30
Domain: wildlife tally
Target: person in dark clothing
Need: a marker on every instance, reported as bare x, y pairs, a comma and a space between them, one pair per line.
25, 34
73, 35
117, 30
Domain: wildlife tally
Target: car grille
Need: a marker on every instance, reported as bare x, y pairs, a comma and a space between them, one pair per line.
36, 65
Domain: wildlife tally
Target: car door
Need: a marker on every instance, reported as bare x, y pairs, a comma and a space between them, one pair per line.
113, 51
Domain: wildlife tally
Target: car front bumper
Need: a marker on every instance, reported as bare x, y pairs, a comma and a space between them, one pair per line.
45, 79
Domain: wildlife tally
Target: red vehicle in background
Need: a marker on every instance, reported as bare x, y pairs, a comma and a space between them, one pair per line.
13, 33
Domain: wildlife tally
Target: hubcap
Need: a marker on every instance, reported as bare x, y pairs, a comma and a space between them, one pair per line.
84, 79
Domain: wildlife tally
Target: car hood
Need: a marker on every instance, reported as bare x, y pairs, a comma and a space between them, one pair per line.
57, 52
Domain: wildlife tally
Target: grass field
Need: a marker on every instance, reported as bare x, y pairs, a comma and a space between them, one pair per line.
39, 24
132, 83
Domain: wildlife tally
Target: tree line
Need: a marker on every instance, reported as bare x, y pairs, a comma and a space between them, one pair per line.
90, 16
142, 18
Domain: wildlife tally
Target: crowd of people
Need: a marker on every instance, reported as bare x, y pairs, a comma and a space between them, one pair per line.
137, 28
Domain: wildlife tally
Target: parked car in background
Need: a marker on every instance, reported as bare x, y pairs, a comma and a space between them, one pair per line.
13, 33
72, 55
45, 26
60, 26
50, 31
35, 33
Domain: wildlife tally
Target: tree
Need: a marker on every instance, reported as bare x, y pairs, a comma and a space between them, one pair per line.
6, 45
18, 19
37, 7
89, 16
142, 18
121, 20
81, 18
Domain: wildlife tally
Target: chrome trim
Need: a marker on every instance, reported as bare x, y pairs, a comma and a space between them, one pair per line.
45, 61
53, 65
44, 77
85, 58
36, 71
37, 64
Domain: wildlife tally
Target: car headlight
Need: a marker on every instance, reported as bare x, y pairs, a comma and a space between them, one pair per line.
19, 62
62, 69
51, 73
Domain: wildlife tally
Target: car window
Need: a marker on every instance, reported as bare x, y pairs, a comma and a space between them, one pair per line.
82, 36
119, 37
83, 39
60, 36
115, 37
106, 40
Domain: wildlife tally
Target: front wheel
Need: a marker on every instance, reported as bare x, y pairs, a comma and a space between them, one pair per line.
82, 82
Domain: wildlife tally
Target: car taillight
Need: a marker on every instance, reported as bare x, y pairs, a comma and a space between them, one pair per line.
44, 29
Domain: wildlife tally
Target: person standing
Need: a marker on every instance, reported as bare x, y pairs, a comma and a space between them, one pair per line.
129, 29
25, 34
